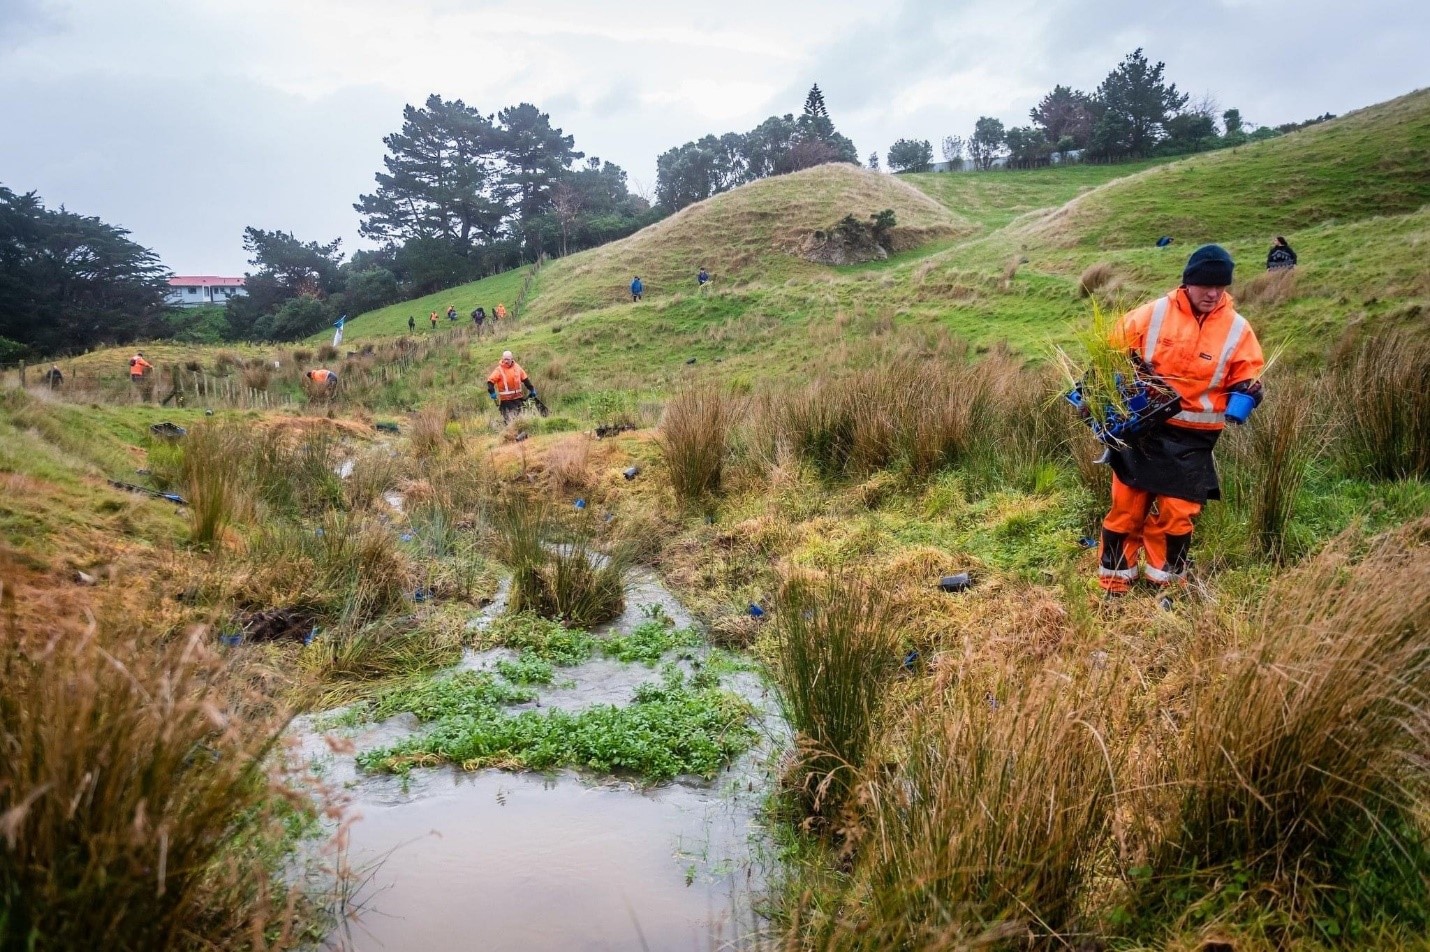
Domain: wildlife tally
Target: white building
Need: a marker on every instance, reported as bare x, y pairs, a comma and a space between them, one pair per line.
187, 290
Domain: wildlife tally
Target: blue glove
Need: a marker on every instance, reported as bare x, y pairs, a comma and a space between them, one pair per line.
531, 391
1253, 389
493, 396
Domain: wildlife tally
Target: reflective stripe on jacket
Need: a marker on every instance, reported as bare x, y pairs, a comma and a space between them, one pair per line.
508, 381
1201, 359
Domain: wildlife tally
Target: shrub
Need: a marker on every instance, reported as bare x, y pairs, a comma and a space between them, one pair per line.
693, 440
835, 649
327, 353
137, 810
302, 356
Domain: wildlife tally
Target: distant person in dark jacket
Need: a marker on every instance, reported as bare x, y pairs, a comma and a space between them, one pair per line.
1280, 257
637, 289
479, 317
53, 378
411, 324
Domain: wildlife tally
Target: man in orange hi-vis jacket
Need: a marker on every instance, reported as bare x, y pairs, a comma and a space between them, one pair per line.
505, 385
1196, 341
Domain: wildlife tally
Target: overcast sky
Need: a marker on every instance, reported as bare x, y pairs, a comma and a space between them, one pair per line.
184, 122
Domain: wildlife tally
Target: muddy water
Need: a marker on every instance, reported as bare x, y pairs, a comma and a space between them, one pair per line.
493, 860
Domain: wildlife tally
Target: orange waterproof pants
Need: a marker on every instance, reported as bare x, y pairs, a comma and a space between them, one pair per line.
1160, 526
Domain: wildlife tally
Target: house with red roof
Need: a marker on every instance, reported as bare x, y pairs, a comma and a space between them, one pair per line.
188, 290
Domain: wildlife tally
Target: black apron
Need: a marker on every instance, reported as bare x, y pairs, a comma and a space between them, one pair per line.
1170, 461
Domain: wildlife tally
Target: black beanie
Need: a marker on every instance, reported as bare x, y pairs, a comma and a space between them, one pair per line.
1210, 266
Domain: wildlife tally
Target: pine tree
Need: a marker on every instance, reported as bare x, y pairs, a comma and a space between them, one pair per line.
815, 122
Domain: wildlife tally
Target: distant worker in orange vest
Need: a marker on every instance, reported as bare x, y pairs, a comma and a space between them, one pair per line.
505, 384
433, 318
324, 380
1195, 340
499, 312
138, 366
451, 312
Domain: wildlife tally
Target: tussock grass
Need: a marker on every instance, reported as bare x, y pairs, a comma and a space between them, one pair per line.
989, 824
1269, 287
557, 572
1383, 393
1095, 277
835, 652
212, 473
1302, 758
694, 440
1270, 458
137, 807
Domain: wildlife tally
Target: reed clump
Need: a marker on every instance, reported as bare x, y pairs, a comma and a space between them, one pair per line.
212, 472
835, 652
694, 440
1270, 457
138, 804
556, 570
1383, 393
989, 822
1299, 771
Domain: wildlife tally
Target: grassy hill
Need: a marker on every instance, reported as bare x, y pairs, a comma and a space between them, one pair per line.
1369, 163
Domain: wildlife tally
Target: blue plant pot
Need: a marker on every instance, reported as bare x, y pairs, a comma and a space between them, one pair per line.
1239, 407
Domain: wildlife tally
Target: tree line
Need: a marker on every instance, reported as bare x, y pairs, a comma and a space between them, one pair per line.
71, 281
1134, 113
713, 164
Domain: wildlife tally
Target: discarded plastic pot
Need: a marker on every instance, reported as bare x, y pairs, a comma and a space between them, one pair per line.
756, 611
631, 473
422, 595
961, 582
230, 640
911, 659
308, 638
1239, 407
580, 504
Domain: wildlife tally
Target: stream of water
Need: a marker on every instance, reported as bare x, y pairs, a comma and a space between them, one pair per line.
494, 860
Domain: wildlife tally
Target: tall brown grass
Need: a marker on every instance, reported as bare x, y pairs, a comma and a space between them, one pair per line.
1302, 757
1270, 457
1269, 287
990, 822
214, 480
835, 652
694, 440
556, 570
1383, 393
138, 808
428, 435
1094, 277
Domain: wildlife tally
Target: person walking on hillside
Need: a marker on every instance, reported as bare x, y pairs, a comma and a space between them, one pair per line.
138, 368
499, 312
433, 318
479, 317
451, 312
505, 384
1280, 257
1198, 343
53, 377
637, 289
702, 279
322, 381
411, 324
